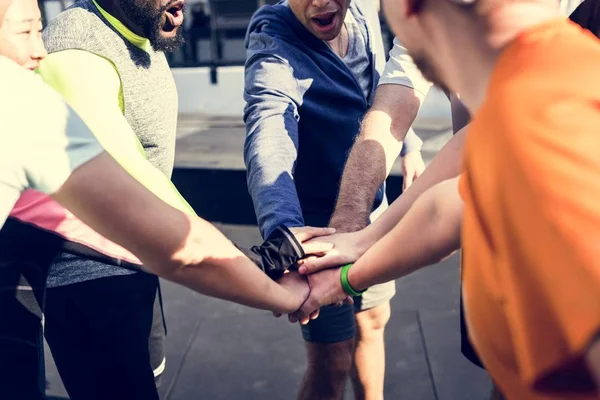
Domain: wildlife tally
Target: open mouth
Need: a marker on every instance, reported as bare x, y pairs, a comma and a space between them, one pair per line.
324, 22
174, 14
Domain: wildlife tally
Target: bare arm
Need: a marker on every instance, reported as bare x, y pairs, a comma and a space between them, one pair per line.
177, 247
445, 165
372, 157
428, 233
350, 246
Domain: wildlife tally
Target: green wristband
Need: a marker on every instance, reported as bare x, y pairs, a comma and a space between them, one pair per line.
345, 284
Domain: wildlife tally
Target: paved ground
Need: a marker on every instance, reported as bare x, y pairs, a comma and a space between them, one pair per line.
217, 350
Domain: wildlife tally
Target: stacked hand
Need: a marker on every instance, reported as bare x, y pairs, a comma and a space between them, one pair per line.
325, 289
314, 246
345, 248
314, 241
320, 270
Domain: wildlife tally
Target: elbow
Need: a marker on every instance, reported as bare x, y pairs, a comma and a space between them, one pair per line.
445, 219
172, 265
192, 250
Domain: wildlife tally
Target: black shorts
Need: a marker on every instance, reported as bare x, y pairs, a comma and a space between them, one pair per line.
24, 267
26, 254
100, 333
466, 347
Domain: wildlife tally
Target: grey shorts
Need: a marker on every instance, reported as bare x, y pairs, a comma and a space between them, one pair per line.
337, 324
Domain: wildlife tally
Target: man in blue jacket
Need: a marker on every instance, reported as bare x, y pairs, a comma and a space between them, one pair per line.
311, 73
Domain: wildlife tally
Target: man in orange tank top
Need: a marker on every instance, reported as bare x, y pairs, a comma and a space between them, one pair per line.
526, 208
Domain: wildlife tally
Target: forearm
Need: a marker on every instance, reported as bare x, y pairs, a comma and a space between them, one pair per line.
276, 205
366, 169
224, 272
185, 249
445, 165
270, 155
383, 130
428, 233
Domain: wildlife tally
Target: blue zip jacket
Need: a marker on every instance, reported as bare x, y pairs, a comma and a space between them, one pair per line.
303, 111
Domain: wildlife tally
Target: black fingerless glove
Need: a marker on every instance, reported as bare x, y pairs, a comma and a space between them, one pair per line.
278, 253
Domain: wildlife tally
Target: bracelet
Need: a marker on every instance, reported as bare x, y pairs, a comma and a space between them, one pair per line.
345, 284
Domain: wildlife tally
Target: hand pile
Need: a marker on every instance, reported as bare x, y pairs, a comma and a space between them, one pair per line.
320, 271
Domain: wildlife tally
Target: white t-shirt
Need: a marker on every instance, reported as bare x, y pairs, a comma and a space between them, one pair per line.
42, 140
400, 69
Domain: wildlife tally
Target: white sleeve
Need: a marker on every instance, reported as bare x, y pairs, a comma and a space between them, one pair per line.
401, 70
64, 144
9, 194
44, 140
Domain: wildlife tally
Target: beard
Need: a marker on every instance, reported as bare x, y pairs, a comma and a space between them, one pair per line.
151, 22
428, 70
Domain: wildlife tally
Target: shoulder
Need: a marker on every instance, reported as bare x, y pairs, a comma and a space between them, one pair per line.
69, 72
275, 30
75, 24
75, 19
43, 129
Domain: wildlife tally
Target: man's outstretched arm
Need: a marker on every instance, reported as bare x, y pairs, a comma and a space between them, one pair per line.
181, 248
429, 232
446, 165
382, 132
385, 133
349, 247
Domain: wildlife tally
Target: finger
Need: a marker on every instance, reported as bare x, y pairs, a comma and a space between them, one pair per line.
316, 264
349, 300
319, 231
276, 314
305, 317
309, 232
293, 318
317, 247
315, 315
304, 260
